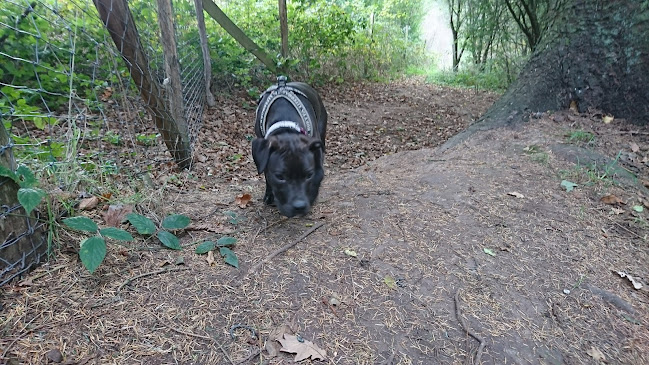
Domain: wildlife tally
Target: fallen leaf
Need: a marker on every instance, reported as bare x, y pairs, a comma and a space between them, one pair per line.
116, 214
516, 194
210, 258
568, 185
607, 119
611, 199
596, 354
390, 282
634, 147
89, 203
637, 285
242, 200
573, 106
302, 348
350, 252
616, 210
638, 208
489, 251
54, 355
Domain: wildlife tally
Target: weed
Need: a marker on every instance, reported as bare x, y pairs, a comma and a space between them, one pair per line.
580, 136
537, 154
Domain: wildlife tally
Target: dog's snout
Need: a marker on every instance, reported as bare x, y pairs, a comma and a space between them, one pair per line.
300, 206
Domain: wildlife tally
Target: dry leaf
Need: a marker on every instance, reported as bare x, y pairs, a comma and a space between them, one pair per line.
617, 211
596, 354
89, 203
116, 214
390, 282
516, 194
272, 347
573, 106
302, 348
637, 285
634, 147
242, 200
607, 119
611, 199
210, 258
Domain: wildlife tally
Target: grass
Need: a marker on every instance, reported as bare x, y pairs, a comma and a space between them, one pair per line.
537, 154
580, 136
482, 80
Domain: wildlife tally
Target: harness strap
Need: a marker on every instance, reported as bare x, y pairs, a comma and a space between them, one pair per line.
291, 94
284, 124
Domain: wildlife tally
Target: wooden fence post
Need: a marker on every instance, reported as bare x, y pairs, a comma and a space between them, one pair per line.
215, 12
207, 64
118, 19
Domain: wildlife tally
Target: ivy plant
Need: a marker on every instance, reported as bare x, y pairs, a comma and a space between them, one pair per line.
222, 244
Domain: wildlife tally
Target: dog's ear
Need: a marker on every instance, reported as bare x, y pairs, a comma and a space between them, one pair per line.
260, 153
315, 146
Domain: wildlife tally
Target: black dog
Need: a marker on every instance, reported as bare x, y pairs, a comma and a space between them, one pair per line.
290, 125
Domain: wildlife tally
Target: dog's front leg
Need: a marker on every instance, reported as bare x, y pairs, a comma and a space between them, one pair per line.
269, 198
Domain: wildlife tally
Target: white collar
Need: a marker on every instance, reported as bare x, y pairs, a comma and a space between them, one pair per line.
284, 124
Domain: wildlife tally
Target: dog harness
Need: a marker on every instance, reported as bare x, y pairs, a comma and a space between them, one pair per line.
281, 90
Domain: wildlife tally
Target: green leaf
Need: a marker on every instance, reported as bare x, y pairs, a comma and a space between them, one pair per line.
489, 251
205, 247
234, 218
26, 177
390, 282
29, 198
175, 221
116, 234
226, 241
230, 257
8, 173
92, 252
81, 223
568, 185
142, 224
169, 240
638, 208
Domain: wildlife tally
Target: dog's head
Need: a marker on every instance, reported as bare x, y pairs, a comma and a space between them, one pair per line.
292, 164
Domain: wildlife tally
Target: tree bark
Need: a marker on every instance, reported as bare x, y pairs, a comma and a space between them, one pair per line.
597, 56
283, 27
22, 240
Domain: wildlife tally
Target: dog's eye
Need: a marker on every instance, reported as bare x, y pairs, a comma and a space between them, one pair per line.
309, 175
279, 177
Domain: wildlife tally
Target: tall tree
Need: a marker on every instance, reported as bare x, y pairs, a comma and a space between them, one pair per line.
535, 17
597, 56
456, 21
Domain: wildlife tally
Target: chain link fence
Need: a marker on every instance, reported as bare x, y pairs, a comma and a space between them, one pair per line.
91, 95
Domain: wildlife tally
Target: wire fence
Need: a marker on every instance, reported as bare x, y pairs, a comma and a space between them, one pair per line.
81, 111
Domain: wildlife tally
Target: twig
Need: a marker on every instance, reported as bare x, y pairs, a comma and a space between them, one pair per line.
6, 351
458, 314
284, 248
193, 335
252, 356
161, 271
265, 228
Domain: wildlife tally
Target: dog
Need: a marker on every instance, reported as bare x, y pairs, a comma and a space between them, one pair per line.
290, 125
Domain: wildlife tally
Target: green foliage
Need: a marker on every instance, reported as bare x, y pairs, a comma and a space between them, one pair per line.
329, 41
580, 136
228, 255
142, 224
471, 78
29, 196
93, 249
92, 252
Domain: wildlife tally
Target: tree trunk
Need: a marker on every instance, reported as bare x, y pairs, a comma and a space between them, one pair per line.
22, 240
597, 56
283, 27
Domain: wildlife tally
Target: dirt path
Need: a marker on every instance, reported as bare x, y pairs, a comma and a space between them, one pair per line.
418, 248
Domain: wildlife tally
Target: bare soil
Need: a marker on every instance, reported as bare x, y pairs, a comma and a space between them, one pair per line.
474, 255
